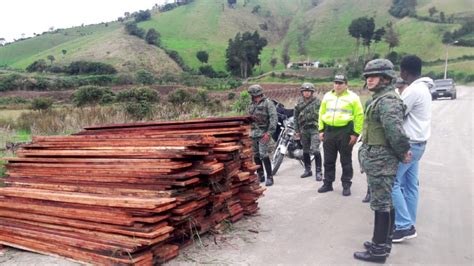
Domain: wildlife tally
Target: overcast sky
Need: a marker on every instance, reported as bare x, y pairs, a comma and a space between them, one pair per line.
36, 16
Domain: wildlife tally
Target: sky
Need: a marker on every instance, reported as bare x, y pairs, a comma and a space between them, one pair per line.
19, 17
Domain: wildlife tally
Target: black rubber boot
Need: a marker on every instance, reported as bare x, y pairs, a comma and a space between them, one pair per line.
260, 173
268, 169
368, 244
319, 170
377, 250
307, 166
325, 188
367, 196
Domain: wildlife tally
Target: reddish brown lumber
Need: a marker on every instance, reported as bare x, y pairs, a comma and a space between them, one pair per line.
84, 198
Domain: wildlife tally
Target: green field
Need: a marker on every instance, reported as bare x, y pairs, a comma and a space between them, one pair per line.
208, 25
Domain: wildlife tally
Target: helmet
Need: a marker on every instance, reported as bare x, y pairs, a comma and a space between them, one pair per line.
255, 90
307, 87
381, 67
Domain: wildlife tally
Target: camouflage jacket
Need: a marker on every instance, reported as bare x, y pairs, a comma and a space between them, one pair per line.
307, 113
389, 111
264, 116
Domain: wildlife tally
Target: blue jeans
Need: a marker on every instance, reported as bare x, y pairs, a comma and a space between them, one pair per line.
405, 189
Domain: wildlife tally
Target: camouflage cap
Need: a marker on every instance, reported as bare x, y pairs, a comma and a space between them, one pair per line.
255, 90
382, 67
340, 78
307, 87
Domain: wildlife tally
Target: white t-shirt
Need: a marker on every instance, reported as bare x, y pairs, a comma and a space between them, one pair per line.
417, 98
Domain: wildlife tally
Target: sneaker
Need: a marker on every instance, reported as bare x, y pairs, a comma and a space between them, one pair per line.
403, 234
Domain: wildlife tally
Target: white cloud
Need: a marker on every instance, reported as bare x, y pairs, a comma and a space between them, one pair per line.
34, 16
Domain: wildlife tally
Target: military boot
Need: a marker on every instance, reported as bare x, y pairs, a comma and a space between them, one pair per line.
367, 196
268, 169
388, 246
325, 188
378, 249
307, 166
319, 170
260, 173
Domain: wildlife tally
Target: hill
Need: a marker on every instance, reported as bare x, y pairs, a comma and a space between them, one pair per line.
310, 29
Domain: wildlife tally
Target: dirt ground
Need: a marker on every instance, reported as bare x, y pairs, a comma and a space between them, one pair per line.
298, 226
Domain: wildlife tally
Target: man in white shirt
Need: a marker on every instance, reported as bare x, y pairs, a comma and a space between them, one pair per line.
417, 125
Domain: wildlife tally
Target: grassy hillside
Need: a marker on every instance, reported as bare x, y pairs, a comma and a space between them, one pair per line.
208, 25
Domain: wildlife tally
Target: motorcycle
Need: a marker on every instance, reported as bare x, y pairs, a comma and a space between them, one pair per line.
286, 145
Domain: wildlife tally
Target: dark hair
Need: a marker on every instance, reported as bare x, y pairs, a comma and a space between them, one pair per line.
411, 64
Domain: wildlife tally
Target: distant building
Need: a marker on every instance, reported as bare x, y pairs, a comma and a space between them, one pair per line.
303, 64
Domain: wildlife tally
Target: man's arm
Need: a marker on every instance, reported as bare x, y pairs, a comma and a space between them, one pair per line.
391, 116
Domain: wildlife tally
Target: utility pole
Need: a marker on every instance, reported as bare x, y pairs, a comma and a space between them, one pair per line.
446, 60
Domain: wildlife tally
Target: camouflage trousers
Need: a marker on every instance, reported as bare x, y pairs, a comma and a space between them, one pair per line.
310, 140
380, 188
260, 149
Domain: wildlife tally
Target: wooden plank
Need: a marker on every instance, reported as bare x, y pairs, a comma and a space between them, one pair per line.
84, 198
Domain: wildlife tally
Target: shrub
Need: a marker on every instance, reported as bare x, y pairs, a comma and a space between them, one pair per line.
92, 95
132, 29
242, 103
9, 82
12, 100
85, 67
138, 94
138, 102
37, 66
207, 71
231, 96
142, 15
41, 103
144, 77
179, 96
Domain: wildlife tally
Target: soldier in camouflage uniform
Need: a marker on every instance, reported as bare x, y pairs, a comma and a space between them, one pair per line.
264, 117
384, 144
306, 127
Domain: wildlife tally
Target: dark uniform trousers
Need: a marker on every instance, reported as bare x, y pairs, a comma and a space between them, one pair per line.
336, 139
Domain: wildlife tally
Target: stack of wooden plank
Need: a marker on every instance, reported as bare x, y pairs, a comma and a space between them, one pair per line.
128, 193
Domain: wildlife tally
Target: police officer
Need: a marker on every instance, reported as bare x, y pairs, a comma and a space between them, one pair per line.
341, 117
264, 122
306, 127
384, 144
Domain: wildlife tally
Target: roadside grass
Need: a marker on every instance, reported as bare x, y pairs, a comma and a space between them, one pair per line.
462, 66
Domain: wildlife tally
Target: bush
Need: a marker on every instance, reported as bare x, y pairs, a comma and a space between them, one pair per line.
178, 59
142, 15
11, 100
144, 77
9, 82
42, 103
231, 96
85, 67
242, 103
179, 96
92, 95
207, 71
132, 29
138, 102
37, 66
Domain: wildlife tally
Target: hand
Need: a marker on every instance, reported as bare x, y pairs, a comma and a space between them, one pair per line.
265, 138
297, 136
321, 136
353, 140
408, 157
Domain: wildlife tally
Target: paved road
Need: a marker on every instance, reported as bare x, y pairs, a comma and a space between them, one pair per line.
296, 225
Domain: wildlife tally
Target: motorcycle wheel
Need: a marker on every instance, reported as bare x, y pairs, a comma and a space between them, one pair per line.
276, 161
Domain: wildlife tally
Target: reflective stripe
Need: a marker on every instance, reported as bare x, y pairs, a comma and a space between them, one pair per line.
339, 110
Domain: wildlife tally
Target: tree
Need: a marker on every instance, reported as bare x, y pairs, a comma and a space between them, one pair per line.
51, 58
37, 66
285, 56
202, 56
41, 103
243, 53
64, 51
232, 3
432, 11
2, 41
355, 30
273, 63
153, 37
391, 37
142, 15
403, 8
442, 17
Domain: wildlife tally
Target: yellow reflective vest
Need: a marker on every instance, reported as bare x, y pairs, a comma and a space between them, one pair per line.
339, 111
